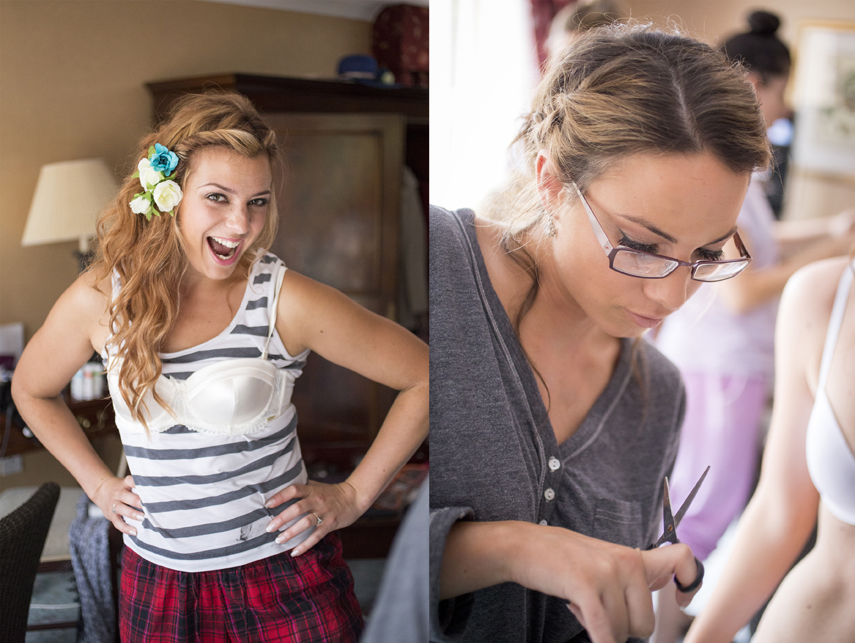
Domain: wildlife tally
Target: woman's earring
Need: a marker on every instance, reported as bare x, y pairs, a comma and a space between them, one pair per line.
549, 229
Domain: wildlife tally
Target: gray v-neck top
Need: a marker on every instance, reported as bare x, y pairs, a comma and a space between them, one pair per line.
494, 455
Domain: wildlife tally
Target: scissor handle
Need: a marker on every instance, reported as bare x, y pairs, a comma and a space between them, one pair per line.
691, 587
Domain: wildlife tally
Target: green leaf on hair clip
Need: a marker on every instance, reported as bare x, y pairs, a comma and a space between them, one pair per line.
151, 151
135, 175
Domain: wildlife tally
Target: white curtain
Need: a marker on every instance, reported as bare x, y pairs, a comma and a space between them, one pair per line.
483, 73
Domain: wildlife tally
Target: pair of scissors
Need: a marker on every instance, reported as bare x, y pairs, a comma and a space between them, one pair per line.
670, 523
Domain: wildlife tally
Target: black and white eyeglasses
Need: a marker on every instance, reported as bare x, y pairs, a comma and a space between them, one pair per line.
646, 265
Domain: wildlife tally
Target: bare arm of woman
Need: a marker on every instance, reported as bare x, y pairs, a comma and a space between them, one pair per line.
755, 287
608, 586
782, 512
62, 345
320, 318
794, 234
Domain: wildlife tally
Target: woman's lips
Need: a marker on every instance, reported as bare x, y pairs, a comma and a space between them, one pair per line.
645, 322
230, 260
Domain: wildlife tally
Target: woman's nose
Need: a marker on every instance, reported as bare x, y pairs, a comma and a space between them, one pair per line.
238, 219
672, 291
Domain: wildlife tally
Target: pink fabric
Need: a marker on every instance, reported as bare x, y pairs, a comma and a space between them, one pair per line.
721, 429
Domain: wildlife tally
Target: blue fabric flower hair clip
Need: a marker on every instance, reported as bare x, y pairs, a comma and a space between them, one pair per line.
160, 193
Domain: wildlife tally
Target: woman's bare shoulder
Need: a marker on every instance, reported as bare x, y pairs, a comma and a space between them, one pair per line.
811, 289
85, 304
806, 309
90, 291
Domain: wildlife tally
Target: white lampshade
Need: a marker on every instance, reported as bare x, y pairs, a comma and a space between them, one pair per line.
69, 197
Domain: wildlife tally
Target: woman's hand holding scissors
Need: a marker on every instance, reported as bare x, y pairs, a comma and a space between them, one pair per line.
607, 617
608, 587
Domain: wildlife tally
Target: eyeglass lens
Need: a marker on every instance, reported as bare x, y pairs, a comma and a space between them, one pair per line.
639, 264
719, 272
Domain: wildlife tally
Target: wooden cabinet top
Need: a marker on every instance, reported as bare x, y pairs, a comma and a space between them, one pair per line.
281, 94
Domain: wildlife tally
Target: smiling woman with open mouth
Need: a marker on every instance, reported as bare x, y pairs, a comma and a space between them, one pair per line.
203, 334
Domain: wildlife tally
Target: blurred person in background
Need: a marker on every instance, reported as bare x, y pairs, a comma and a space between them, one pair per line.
723, 339
808, 473
577, 18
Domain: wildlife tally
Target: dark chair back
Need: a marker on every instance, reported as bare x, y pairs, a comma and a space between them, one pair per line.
22, 538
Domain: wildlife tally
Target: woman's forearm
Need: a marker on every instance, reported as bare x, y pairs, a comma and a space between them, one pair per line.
54, 425
478, 555
403, 430
769, 538
753, 288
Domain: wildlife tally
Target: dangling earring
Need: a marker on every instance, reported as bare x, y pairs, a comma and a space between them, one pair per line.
550, 229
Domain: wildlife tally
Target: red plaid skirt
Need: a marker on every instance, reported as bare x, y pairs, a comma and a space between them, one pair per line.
304, 599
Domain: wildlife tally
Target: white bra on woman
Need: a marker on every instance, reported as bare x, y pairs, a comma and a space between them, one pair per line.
830, 461
232, 397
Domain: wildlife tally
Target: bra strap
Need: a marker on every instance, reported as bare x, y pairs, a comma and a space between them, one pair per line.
280, 275
835, 322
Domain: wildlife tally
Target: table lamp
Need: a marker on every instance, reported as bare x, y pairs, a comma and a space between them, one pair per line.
69, 197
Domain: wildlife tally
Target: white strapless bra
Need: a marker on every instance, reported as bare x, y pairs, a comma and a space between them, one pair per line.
830, 461
232, 397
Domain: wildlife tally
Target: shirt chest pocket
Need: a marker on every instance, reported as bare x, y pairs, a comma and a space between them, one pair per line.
619, 521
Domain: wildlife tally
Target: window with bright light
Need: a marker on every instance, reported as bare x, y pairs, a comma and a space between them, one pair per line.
483, 74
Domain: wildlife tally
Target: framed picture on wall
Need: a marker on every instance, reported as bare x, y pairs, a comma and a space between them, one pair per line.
824, 99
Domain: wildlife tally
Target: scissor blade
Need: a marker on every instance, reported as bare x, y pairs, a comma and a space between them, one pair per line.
685, 506
666, 503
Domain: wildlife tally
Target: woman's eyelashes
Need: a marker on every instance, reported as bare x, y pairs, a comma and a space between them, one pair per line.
626, 242
703, 254
710, 255
222, 198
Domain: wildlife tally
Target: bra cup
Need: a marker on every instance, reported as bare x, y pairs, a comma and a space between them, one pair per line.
234, 396
830, 460
233, 392
154, 413
233, 401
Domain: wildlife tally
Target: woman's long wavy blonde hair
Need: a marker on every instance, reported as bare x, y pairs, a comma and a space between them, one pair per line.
148, 257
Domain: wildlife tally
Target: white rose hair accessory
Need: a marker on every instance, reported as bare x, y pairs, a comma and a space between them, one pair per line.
160, 193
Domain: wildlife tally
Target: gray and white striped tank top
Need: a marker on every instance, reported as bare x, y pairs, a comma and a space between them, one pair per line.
203, 492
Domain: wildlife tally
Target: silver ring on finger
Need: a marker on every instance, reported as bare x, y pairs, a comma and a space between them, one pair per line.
320, 520
114, 508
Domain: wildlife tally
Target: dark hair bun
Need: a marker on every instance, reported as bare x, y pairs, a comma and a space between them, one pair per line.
763, 23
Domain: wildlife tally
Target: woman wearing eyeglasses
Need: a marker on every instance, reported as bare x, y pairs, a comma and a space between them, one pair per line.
553, 424
723, 340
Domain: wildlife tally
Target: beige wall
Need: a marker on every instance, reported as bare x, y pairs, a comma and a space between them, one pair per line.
715, 20
71, 86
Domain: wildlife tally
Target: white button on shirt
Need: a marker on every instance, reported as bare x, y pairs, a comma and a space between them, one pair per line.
554, 463
549, 494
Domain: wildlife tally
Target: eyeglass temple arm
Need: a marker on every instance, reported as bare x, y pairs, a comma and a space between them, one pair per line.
740, 246
595, 224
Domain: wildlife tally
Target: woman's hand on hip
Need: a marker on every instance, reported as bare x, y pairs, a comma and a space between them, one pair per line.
326, 507
116, 498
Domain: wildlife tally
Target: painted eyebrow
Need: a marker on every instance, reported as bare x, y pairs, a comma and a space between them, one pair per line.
229, 190
667, 236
